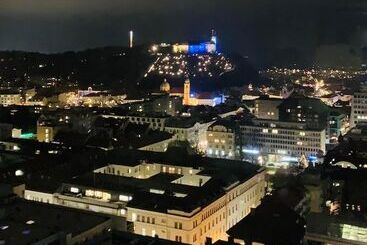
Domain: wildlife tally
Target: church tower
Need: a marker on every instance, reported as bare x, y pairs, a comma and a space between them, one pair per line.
186, 98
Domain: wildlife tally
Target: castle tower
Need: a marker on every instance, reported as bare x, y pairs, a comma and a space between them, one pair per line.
186, 98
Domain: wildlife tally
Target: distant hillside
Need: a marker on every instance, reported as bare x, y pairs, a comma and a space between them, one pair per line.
110, 67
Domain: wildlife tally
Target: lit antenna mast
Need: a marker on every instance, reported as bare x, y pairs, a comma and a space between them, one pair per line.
131, 39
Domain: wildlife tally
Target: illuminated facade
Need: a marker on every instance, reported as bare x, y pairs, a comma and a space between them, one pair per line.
191, 100
189, 130
280, 143
165, 87
223, 142
209, 47
10, 98
359, 107
46, 132
175, 202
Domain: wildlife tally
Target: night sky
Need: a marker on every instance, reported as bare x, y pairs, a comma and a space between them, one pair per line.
257, 28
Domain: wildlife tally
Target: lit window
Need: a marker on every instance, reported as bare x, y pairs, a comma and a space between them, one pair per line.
133, 217
125, 198
74, 190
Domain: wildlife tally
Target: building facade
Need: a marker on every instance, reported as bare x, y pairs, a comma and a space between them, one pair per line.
359, 107
267, 108
178, 202
10, 98
223, 140
276, 142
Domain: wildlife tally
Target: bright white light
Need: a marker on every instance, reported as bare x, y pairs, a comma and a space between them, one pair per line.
125, 198
74, 190
251, 151
19, 173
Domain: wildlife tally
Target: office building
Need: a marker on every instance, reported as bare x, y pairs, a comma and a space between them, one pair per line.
278, 142
359, 106
179, 198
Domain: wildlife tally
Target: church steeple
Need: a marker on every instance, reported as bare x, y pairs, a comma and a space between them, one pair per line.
186, 98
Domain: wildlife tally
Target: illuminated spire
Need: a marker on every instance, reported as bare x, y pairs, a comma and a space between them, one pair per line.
131, 39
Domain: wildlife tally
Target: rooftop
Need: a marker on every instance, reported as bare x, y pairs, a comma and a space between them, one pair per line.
209, 178
270, 223
22, 222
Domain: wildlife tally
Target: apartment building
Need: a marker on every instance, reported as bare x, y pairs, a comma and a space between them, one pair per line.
223, 139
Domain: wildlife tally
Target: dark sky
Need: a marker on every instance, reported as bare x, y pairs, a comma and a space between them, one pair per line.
258, 28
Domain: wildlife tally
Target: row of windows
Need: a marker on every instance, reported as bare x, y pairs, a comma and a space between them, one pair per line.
360, 112
360, 96
226, 130
212, 210
267, 131
285, 139
360, 107
145, 219
220, 146
287, 143
145, 119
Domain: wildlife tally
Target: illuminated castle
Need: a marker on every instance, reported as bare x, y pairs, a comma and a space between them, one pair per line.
197, 48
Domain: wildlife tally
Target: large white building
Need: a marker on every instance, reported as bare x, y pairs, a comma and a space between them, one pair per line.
359, 107
186, 201
281, 142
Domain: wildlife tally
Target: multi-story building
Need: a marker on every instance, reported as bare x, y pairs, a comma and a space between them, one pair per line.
338, 124
189, 129
180, 199
49, 124
314, 113
298, 108
10, 98
277, 142
155, 120
224, 139
267, 108
359, 107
